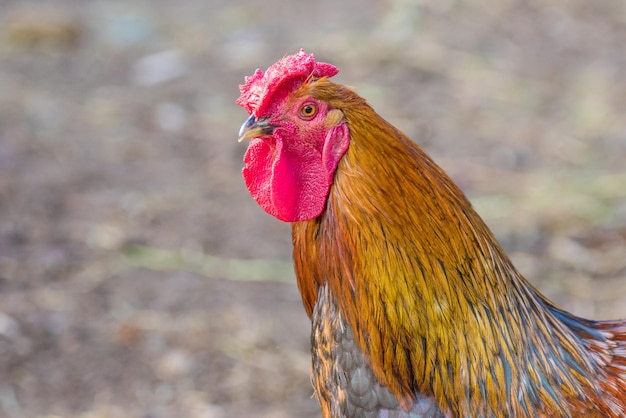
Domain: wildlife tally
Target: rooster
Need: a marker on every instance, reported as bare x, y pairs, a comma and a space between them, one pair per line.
416, 310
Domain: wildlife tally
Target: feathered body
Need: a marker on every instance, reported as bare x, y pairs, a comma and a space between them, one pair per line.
416, 309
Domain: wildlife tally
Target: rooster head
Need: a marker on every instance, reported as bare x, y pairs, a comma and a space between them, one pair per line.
296, 140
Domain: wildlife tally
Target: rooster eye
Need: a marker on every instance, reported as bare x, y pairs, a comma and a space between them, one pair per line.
308, 110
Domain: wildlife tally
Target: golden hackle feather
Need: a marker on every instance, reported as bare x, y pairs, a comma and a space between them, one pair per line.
433, 300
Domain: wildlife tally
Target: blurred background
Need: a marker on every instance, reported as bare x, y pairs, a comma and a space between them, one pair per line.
137, 276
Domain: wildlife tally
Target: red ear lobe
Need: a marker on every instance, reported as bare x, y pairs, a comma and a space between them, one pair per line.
336, 144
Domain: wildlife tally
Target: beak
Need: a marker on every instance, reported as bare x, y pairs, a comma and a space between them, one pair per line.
254, 127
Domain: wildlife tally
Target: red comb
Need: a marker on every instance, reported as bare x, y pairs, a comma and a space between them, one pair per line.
291, 71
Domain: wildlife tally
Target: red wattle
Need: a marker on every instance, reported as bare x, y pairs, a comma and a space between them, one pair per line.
290, 181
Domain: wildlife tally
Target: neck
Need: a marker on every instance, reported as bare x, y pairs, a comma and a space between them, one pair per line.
431, 297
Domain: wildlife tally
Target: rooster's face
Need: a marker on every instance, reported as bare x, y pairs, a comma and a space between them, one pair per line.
296, 140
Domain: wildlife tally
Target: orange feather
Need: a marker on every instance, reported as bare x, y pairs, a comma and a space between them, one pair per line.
434, 303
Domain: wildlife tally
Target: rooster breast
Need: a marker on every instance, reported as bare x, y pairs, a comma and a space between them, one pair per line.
344, 383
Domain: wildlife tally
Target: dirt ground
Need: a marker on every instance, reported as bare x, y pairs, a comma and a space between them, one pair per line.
137, 276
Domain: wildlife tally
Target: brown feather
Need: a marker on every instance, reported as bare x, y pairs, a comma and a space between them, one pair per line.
433, 301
